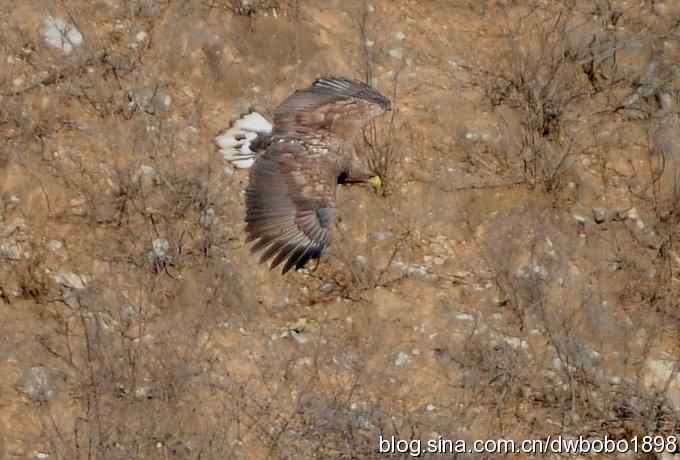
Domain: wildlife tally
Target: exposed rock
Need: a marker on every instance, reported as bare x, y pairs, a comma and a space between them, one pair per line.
158, 255
402, 359
61, 35
54, 245
396, 53
70, 280
599, 215
160, 247
208, 217
10, 251
37, 384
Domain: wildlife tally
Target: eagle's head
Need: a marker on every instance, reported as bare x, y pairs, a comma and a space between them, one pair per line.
331, 105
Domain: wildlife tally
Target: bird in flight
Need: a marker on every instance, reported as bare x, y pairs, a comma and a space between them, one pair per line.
296, 163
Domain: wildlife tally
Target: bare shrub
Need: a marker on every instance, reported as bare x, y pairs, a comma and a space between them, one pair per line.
543, 79
381, 144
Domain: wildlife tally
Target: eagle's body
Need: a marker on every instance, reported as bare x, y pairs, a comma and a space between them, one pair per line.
290, 199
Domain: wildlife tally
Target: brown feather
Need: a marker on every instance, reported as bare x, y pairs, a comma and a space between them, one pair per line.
291, 195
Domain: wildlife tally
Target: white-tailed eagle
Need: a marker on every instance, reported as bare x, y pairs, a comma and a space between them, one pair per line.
296, 163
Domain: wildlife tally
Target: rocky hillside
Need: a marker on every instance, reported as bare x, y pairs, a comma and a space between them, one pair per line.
517, 277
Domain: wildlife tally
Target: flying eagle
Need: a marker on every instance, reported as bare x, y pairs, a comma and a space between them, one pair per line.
297, 162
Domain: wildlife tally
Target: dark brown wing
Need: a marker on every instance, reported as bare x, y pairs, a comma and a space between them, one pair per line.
317, 107
290, 205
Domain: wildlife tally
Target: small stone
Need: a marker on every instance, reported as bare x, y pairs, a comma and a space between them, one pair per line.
146, 175
148, 171
381, 236
327, 288
633, 214
208, 217
599, 215
614, 266
515, 342
160, 247
54, 245
665, 100
70, 280
402, 359
142, 392
557, 364
396, 53
10, 252
361, 260
61, 35
400, 36
37, 383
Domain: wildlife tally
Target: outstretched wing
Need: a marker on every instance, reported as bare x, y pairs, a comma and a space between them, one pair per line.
290, 205
326, 102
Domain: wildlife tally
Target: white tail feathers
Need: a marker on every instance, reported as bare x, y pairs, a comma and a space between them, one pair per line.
236, 142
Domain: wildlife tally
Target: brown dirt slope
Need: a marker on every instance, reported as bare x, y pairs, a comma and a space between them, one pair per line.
518, 276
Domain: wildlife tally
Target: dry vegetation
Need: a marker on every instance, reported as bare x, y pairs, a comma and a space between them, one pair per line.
517, 277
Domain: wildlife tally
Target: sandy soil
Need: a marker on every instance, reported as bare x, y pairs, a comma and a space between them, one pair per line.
518, 277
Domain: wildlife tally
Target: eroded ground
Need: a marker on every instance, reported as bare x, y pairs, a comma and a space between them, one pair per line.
516, 278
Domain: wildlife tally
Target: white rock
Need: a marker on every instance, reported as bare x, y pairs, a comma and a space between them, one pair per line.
160, 247
38, 384
465, 317
55, 245
70, 280
402, 359
61, 35
208, 217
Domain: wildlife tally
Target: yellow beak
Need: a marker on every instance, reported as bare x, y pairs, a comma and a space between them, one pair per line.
376, 183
